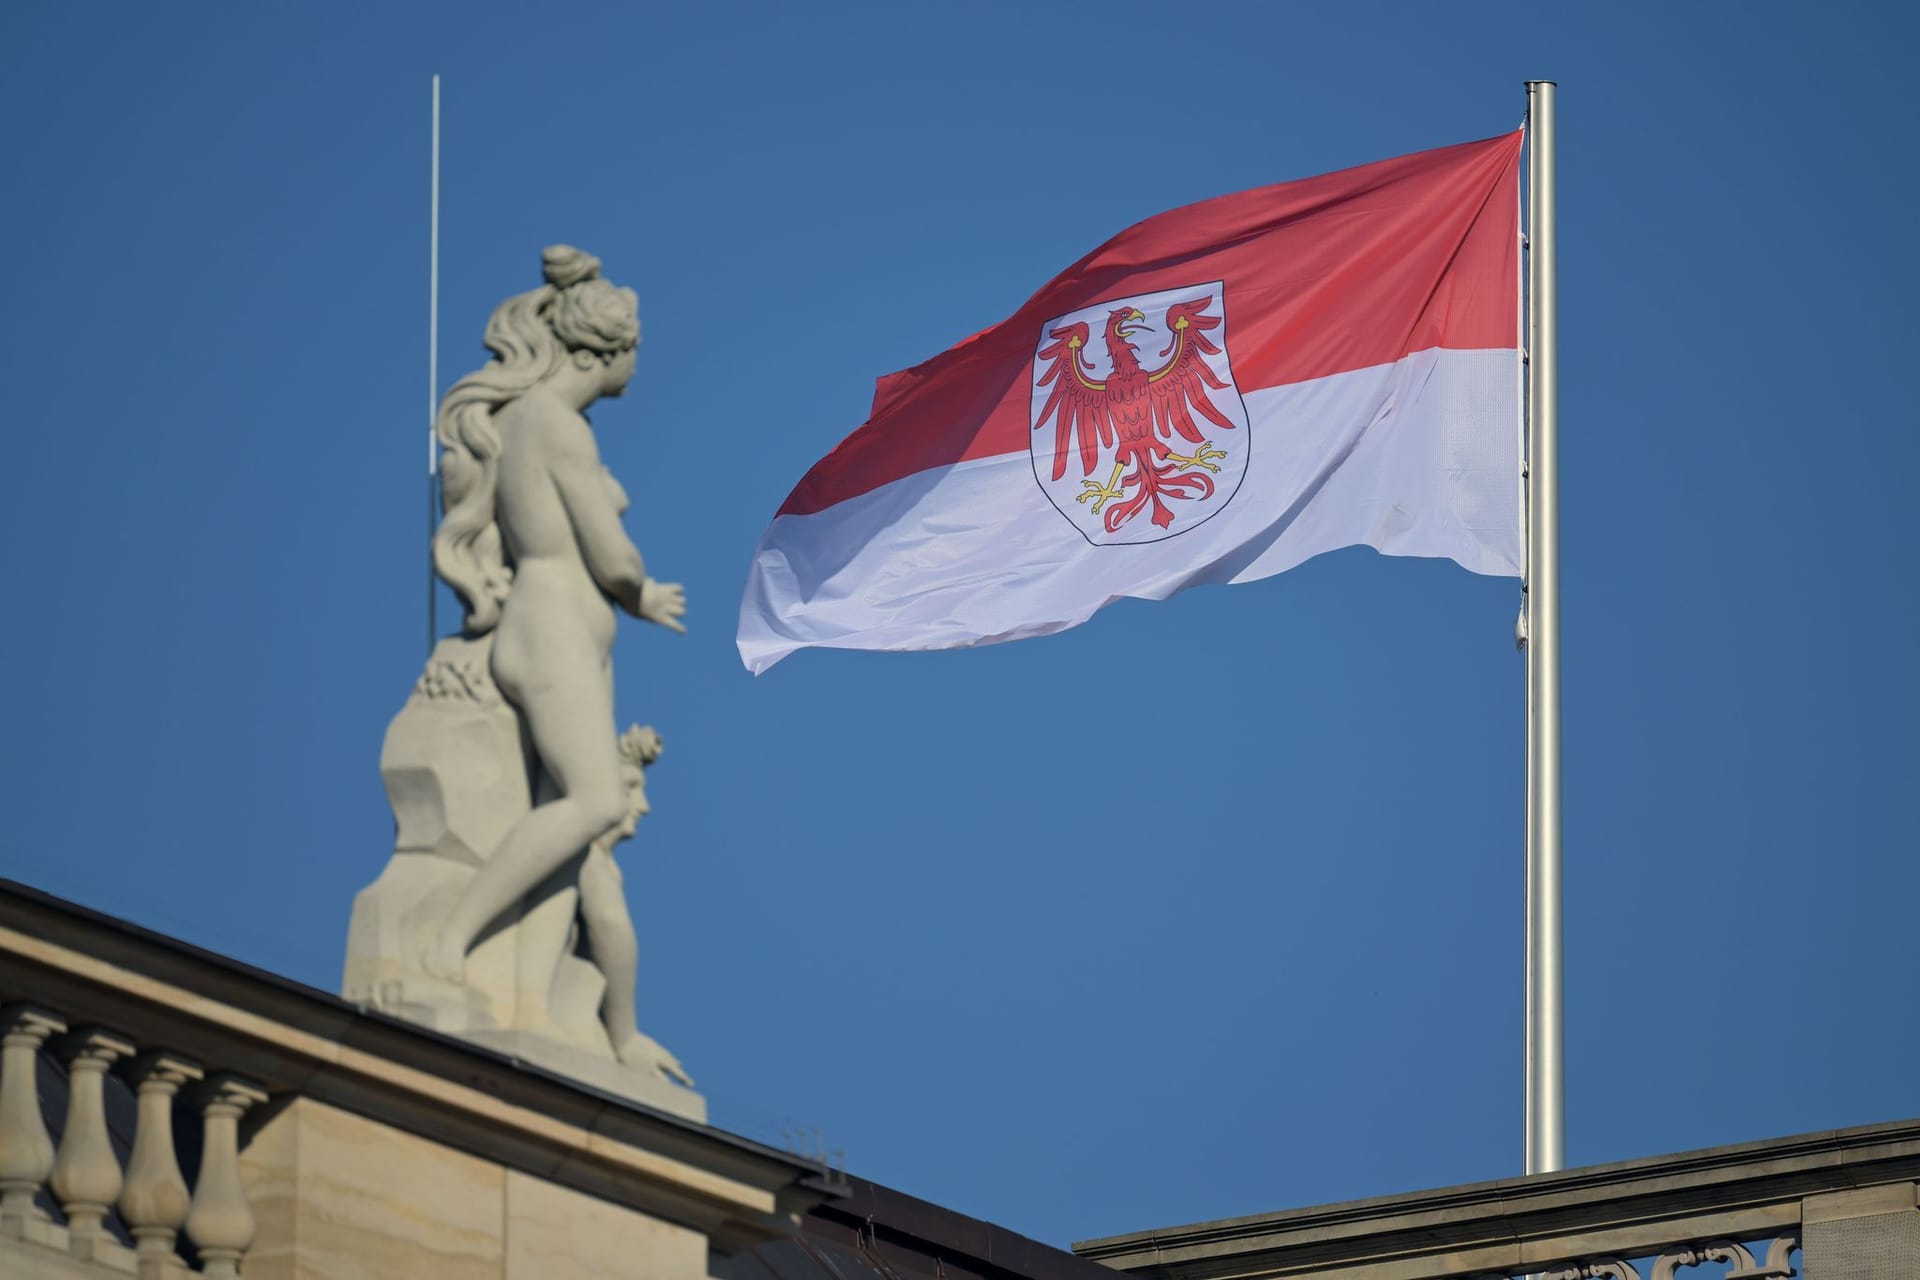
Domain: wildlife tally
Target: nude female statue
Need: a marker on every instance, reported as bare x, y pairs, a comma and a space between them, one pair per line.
532, 542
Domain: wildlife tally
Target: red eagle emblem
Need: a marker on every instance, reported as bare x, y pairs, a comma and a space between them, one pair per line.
1154, 424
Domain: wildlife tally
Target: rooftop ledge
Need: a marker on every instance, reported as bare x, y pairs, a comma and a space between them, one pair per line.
1629, 1209
246, 1046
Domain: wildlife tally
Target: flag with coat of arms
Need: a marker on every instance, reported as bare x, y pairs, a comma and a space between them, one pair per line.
1216, 394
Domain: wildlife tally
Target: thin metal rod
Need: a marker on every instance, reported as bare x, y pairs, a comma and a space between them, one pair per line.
1546, 1038
433, 375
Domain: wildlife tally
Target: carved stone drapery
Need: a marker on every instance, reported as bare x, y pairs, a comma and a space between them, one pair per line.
1610, 1269
1740, 1260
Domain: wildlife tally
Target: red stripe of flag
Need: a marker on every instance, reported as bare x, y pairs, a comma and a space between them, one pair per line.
1324, 275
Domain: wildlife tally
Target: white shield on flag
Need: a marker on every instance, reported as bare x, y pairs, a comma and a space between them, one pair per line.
1139, 432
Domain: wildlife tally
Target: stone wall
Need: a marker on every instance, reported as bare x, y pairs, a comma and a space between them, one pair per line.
338, 1195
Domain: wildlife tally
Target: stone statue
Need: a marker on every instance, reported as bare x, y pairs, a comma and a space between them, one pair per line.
532, 541
501, 916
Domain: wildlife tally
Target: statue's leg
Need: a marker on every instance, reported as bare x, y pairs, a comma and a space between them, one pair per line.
611, 943
569, 716
610, 939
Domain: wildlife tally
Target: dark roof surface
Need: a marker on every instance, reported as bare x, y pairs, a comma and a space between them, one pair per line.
877, 1233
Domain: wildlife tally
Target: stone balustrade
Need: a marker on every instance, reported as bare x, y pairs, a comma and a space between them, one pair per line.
137, 1137
64, 1187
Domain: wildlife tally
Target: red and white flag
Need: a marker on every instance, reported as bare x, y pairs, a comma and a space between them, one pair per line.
1214, 395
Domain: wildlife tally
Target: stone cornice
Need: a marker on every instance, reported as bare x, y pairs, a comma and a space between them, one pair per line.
1631, 1208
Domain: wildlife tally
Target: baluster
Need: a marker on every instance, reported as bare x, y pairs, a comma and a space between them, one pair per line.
221, 1222
155, 1202
26, 1149
86, 1177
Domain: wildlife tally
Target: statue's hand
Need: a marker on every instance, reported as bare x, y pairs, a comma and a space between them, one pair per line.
664, 603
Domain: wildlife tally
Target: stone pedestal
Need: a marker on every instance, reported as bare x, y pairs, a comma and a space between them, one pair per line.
456, 771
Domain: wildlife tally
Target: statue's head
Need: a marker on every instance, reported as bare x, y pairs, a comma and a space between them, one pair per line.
597, 322
639, 747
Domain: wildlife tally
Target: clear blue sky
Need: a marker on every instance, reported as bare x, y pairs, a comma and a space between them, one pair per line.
1074, 982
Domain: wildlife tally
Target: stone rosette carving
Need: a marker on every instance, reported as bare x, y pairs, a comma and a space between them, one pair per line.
457, 677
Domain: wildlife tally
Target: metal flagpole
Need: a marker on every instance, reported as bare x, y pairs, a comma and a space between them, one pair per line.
1546, 1040
433, 374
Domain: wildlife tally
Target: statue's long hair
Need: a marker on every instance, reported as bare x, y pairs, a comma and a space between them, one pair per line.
530, 336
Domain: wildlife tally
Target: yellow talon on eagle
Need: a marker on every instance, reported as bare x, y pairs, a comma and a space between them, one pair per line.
1202, 457
1101, 492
